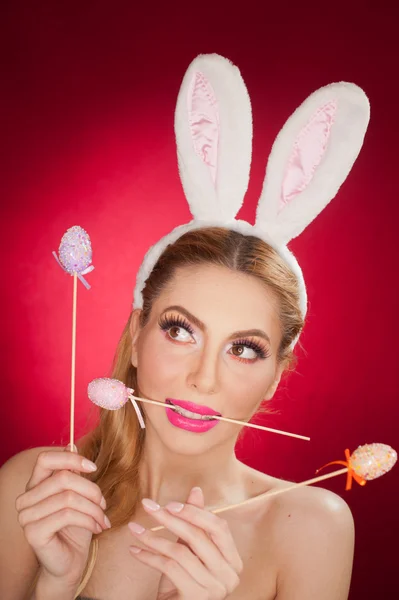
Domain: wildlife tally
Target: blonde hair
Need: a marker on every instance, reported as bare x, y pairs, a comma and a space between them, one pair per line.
116, 444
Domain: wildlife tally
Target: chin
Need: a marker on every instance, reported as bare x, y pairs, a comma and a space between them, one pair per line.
181, 441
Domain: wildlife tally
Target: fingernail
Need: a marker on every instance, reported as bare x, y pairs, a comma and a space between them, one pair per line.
134, 549
103, 503
87, 464
107, 522
150, 504
196, 489
98, 527
135, 527
174, 506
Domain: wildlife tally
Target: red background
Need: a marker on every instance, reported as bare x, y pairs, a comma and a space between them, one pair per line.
90, 90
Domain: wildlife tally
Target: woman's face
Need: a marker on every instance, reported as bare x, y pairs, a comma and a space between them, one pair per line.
211, 339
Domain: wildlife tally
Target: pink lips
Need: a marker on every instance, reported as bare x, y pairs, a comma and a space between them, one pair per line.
195, 408
193, 425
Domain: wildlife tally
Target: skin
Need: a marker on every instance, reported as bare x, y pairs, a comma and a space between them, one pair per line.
202, 366
295, 545
205, 369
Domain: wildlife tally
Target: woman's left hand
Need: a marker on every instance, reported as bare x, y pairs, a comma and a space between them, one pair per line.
203, 563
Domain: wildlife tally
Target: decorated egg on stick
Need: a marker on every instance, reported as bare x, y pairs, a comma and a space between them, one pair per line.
112, 394
372, 460
75, 256
75, 253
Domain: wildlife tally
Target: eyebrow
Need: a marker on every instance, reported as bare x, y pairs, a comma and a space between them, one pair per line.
198, 323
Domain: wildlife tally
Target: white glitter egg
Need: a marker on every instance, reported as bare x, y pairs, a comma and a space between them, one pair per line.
373, 460
75, 250
108, 393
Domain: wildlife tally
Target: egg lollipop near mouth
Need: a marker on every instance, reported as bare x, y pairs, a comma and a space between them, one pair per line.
112, 394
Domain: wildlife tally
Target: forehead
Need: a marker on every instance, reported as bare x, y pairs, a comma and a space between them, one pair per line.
224, 298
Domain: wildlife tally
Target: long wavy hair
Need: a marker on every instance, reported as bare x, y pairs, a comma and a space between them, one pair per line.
117, 442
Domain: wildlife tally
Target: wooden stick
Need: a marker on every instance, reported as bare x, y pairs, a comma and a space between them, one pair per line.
73, 370
272, 493
262, 427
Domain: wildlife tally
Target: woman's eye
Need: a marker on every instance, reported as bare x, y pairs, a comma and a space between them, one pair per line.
176, 328
179, 333
241, 351
248, 351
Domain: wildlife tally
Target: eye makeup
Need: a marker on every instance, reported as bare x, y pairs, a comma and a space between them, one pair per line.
167, 322
261, 351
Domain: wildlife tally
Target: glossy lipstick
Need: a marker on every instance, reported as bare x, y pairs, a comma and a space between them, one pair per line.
194, 425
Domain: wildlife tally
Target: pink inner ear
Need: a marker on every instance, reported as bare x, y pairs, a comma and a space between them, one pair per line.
203, 117
307, 153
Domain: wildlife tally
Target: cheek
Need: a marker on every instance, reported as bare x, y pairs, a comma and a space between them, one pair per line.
158, 362
248, 388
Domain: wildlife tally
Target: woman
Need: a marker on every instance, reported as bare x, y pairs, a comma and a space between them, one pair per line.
217, 314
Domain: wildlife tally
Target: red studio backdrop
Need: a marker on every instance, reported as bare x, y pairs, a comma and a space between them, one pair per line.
89, 91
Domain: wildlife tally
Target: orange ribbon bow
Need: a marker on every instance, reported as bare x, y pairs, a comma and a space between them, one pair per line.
351, 473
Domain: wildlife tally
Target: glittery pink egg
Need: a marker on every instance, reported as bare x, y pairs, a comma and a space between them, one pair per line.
75, 250
373, 460
108, 393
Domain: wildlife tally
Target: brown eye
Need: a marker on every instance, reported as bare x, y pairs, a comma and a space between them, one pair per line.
248, 351
174, 332
176, 328
237, 350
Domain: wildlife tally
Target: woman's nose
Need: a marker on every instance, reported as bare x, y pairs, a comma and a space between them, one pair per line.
203, 372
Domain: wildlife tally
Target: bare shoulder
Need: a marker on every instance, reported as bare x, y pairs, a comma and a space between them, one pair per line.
313, 539
309, 532
18, 563
306, 509
296, 508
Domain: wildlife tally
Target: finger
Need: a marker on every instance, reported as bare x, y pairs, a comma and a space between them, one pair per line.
39, 533
49, 461
57, 502
196, 498
216, 527
176, 551
181, 579
75, 450
203, 545
61, 481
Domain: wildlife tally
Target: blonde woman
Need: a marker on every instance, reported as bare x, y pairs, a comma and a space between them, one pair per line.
217, 312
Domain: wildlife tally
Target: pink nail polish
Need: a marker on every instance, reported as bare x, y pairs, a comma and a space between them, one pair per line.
175, 507
150, 504
136, 527
88, 465
107, 522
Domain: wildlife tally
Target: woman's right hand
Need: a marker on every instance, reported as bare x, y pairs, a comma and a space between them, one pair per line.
59, 512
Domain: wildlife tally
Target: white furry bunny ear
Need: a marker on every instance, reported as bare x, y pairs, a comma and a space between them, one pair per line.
213, 127
310, 159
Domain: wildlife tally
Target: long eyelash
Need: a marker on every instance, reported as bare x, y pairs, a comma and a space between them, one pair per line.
260, 351
166, 323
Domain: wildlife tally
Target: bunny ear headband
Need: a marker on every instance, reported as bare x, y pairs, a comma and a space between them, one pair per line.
310, 159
